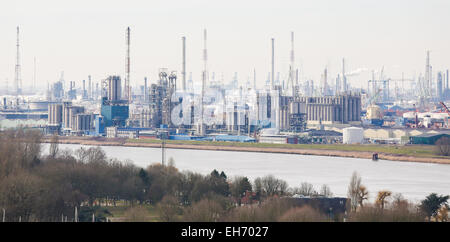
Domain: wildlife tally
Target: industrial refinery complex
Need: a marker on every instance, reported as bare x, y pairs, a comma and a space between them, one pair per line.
173, 106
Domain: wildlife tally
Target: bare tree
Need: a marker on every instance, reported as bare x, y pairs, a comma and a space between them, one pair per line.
272, 186
305, 189
382, 197
363, 194
136, 214
353, 190
169, 208
54, 148
205, 210
326, 191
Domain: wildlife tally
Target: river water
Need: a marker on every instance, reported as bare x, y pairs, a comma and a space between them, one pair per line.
413, 180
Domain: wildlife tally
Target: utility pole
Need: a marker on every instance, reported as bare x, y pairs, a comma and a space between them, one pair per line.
163, 148
76, 215
3, 219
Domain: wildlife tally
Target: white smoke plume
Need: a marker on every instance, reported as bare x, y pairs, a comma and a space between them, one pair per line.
356, 72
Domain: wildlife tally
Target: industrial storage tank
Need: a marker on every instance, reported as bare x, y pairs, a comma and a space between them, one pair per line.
353, 135
39, 105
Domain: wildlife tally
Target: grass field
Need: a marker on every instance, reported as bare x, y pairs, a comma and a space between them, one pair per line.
407, 150
148, 213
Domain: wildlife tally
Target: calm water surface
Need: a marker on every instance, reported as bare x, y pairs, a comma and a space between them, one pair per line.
413, 180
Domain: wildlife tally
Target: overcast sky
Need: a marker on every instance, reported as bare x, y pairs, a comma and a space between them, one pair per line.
86, 37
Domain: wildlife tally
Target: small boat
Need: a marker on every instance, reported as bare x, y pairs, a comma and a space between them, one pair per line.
375, 156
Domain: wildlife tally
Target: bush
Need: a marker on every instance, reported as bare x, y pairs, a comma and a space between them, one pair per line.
136, 214
302, 214
205, 210
443, 146
169, 209
394, 214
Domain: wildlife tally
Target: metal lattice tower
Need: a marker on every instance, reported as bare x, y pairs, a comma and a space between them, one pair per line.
127, 88
17, 78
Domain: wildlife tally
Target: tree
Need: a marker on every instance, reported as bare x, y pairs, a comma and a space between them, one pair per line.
205, 210
381, 198
431, 204
54, 149
136, 214
443, 146
353, 190
271, 186
239, 186
302, 214
218, 183
442, 214
325, 191
306, 189
363, 194
169, 208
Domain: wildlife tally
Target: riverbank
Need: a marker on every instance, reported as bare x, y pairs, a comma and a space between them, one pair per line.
412, 153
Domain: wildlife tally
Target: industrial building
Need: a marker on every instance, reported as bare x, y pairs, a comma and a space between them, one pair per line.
298, 111
342, 109
114, 110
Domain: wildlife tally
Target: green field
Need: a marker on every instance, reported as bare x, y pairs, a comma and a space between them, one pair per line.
120, 212
409, 150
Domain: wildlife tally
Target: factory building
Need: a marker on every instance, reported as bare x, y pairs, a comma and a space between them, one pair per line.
55, 114
342, 109
160, 99
69, 113
82, 123
114, 110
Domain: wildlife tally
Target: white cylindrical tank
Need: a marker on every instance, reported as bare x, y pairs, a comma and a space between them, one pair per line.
352, 135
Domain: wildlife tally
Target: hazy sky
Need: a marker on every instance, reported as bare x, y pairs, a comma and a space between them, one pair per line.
86, 37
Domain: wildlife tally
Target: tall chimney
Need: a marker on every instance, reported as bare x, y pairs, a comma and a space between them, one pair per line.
273, 64
183, 72
145, 89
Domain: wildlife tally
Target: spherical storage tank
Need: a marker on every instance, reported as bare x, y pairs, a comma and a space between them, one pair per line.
352, 135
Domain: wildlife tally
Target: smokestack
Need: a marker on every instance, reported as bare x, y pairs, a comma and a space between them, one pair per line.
291, 71
344, 78
325, 82
254, 79
183, 72
127, 88
84, 89
145, 89
205, 56
273, 64
90, 87
446, 78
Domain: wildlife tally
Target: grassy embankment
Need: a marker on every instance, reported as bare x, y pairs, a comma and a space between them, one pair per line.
405, 150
